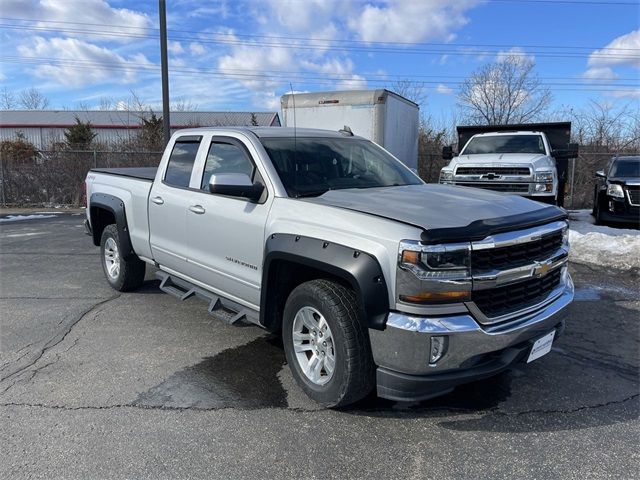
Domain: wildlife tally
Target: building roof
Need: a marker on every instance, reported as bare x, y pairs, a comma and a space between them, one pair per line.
129, 119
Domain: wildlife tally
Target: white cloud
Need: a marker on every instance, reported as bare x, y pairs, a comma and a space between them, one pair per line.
600, 73
175, 47
196, 48
625, 93
77, 63
267, 100
621, 51
87, 12
308, 16
444, 90
411, 21
246, 63
514, 52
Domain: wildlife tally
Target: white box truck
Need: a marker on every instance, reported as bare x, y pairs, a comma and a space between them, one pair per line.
381, 116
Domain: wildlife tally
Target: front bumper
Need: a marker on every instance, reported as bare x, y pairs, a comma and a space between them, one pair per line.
402, 350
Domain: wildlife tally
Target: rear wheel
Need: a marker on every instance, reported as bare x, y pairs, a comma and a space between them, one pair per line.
326, 343
123, 275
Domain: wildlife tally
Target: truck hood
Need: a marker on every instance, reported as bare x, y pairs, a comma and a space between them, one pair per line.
538, 161
445, 213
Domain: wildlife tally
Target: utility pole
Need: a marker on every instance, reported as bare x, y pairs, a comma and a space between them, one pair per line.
166, 122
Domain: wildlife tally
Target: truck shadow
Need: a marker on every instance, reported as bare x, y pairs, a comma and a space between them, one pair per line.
590, 379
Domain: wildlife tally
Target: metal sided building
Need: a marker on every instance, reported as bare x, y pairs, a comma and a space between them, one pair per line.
45, 127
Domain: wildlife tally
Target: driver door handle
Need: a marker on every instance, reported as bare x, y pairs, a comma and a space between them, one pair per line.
157, 200
197, 209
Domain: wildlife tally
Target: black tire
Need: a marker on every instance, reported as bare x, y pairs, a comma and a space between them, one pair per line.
131, 272
354, 373
598, 215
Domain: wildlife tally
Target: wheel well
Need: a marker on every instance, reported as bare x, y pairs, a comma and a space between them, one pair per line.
100, 218
283, 277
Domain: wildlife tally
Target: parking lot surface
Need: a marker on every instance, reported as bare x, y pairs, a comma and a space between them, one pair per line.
98, 384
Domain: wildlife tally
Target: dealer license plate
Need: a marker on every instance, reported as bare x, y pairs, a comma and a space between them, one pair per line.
541, 347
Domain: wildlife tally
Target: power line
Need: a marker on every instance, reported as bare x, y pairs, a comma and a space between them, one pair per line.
303, 74
310, 46
278, 37
317, 80
570, 2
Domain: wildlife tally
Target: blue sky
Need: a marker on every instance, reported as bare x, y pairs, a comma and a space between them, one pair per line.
243, 54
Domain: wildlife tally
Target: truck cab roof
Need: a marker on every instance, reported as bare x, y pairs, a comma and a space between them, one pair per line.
268, 132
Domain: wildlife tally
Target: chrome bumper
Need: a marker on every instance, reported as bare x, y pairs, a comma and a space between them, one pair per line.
404, 345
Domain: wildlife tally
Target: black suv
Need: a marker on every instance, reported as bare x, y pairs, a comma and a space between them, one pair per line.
616, 195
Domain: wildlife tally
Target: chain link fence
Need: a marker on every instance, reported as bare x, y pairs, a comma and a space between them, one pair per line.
57, 177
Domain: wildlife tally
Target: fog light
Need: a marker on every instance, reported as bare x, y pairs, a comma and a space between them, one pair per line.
438, 348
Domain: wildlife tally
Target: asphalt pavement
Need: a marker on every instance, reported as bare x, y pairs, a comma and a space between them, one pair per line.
98, 384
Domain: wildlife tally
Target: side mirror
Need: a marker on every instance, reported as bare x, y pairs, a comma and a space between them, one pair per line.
600, 174
235, 185
447, 152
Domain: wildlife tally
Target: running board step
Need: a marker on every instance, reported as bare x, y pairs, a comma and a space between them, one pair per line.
221, 308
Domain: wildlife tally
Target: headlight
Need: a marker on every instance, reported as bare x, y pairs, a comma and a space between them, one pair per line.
544, 177
615, 190
446, 176
433, 274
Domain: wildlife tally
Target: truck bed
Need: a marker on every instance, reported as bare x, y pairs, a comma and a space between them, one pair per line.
140, 173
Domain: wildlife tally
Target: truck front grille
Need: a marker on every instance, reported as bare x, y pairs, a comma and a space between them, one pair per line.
517, 296
523, 171
498, 186
517, 255
634, 194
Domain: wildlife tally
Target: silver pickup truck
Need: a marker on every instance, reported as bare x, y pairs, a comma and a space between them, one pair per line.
374, 278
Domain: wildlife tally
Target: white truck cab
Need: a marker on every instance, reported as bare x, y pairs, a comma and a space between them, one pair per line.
530, 161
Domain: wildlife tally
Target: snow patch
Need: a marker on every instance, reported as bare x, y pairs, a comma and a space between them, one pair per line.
17, 218
603, 246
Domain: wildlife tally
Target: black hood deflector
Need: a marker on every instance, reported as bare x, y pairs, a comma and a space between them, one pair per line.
445, 213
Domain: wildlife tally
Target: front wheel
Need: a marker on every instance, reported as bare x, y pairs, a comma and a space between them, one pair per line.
326, 343
122, 274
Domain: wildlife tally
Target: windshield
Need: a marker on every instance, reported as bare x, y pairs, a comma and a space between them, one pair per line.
311, 166
625, 168
505, 144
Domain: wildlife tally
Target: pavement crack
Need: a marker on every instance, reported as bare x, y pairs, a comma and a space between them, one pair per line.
53, 342
492, 412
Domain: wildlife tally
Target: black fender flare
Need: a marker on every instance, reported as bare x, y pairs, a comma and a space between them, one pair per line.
116, 206
359, 269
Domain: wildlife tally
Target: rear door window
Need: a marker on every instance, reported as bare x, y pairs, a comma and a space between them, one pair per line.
181, 161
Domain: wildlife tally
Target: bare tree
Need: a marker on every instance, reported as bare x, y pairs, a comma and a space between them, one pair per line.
183, 105
410, 89
8, 99
605, 124
33, 99
506, 91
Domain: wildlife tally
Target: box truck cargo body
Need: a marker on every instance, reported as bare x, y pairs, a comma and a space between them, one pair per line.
384, 117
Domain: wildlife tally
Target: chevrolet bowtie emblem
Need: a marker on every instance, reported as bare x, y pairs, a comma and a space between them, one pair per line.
491, 176
541, 269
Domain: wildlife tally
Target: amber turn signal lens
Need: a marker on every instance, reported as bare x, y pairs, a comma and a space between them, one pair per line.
435, 297
409, 256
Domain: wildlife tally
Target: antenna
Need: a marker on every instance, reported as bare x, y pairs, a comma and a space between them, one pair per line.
295, 136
